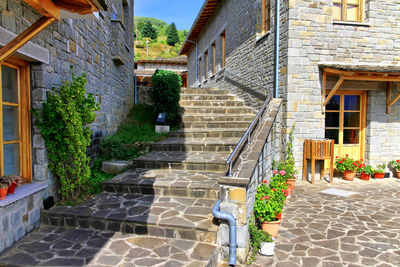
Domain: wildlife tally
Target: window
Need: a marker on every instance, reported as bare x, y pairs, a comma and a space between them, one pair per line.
223, 40
206, 65
265, 16
348, 10
214, 49
15, 151
199, 70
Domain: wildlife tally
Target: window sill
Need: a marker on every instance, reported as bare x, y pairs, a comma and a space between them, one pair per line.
21, 192
351, 23
260, 37
120, 22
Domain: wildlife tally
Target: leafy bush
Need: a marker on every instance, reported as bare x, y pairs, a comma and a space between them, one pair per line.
269, 203
395, 164
257, 236
345, 164
166, 94
64, 124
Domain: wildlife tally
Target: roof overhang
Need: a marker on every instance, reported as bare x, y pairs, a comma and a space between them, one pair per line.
206, 12
370, 72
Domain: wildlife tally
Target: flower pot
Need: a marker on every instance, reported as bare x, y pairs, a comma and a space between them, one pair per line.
349, 175
11, 188
271, 228
364, 176
3, 192
398, 174
267, 248
290, 183
379, 175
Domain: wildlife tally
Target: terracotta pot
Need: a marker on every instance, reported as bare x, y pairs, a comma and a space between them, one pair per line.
11, 188
290, 183
349, 175
379, 175
271, 228
364, 176
3, 192
398, 174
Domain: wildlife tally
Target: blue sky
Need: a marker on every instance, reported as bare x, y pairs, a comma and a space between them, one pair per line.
182, 12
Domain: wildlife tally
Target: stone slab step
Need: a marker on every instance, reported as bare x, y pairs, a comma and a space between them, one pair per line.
216, 145
191, 161
185, 97
217, 117
218, 110
212, 125
59, 246
170, 217
207, 91
203, 133
211, 103
165, 183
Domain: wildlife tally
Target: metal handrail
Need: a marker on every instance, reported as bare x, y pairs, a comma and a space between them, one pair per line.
247, 135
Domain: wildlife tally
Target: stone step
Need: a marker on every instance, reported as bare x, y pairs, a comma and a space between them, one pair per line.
217, 117
61, 246
212, 103
165, 183
204, 133
212, 125
216, 145
162, 216
185, 97
218, 110
207, 91
191, 161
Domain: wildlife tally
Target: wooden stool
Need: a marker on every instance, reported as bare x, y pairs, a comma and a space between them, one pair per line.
318, 150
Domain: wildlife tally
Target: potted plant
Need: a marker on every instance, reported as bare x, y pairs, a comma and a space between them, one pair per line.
259, 241
380, 171
268, 205
3, 190
395, 164
365, 172
12, 181
347, 166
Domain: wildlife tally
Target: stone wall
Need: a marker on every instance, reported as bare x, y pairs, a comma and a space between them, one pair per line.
314, 38
249, 54
90, 46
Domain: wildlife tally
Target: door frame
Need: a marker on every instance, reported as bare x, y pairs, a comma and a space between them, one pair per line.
363, 117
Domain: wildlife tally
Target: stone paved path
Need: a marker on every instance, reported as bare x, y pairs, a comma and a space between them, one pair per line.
321, 230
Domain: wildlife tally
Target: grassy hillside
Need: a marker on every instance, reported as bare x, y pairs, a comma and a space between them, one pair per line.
157, 48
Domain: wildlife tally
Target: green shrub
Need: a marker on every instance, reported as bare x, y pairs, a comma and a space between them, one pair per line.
64, 124
166, 94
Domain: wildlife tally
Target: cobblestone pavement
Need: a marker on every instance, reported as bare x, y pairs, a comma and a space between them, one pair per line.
52, 246
321, 230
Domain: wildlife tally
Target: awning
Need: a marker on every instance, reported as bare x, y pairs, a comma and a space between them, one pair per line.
51, 12
376, 72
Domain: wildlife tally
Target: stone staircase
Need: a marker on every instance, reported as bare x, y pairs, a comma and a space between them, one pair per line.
174, 187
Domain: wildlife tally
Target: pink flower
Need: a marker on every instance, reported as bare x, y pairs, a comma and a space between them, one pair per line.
282, 172
267, 197
275, 172
294, 176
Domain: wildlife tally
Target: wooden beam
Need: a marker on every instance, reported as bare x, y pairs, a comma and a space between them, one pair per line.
45, 7
394, 100
388, 96
337, 86
24, 37
81, 9
371, 78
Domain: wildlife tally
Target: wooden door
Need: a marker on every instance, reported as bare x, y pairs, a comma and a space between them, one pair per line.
345, 123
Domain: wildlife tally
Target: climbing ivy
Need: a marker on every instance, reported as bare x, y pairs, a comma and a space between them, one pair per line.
63, 123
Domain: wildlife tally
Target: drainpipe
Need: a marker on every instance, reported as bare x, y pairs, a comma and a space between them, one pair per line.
277, 35
232, 231
197, 61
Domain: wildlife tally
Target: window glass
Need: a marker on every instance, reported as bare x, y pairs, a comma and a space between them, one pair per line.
352, 102
10, 123
332, 134
334, 103
332, 119
9, 78
351, 119
11, 159
351, 136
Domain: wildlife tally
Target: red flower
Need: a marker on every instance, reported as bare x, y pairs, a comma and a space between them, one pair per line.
337, 156
363, 165
398, 160
347, 155
267, 197
362, 159
273, 190
261, 198
340, 162
259, 217
344, 159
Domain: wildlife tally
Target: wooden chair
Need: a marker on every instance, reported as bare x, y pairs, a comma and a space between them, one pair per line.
318, 150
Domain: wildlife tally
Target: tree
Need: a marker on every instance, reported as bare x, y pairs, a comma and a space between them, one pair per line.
149, 31
172, 35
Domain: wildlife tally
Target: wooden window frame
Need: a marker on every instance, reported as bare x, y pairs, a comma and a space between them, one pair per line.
223, 49
25, 150
265, 16
360, 14
214, 51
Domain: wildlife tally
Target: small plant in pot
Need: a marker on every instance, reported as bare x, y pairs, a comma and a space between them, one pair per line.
347, 166
259, 241
380, 171
395, 164
365, 172
12, 181
3, 190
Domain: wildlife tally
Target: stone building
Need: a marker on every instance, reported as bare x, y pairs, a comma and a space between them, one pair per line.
352, 47
99, 44
335, 65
